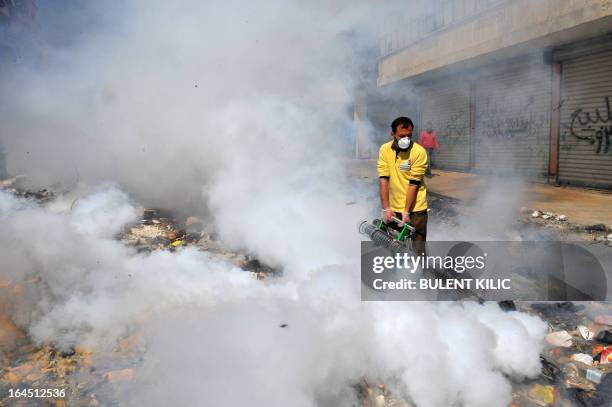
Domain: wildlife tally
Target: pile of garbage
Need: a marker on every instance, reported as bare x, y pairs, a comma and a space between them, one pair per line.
577, 362
155, 231
84, 374
76, 376
14, 185
159, 229
371, 395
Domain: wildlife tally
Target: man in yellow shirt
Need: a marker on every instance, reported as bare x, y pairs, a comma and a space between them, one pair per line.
401, 168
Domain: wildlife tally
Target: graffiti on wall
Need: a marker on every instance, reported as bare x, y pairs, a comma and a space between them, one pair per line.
510, 118
592, 127
452, 129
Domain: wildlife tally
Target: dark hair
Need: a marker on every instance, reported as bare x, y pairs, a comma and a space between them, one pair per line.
404, 121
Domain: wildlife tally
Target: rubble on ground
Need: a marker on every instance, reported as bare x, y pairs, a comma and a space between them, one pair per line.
85, 373
576, 365
75, 371
161, 230
15, 186
597, 232
543, 215
153, 232
372, 395
576, 368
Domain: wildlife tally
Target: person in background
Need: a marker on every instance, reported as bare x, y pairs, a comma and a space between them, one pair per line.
429, 141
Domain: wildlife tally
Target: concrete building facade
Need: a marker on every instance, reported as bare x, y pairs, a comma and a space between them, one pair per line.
510, 86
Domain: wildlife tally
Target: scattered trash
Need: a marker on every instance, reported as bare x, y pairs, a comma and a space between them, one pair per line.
604, 337
599, 227
559, 338
378, 396
171, 235
543, 395
575, 377
576, 365
155, 231
597, 349
568, 369
549, 370
15, 186
585, 332
605, 356
594, 375
261, 270
547, 216
582, 358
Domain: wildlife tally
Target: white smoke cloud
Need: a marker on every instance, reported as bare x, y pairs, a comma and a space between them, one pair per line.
211, 327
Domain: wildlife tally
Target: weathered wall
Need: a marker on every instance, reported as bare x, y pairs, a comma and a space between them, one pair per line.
512, 110
510, 24
493, 120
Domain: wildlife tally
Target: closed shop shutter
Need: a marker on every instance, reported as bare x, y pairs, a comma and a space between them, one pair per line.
512, 114
446, 104
585, 145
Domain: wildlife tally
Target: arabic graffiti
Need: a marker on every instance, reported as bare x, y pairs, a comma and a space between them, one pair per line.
452, 129
594, 128
510, 118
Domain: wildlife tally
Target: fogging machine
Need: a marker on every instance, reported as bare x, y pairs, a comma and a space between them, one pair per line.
387, 236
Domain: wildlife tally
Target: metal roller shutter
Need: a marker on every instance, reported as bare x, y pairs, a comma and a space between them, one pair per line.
512, 109
446, 104
585, 145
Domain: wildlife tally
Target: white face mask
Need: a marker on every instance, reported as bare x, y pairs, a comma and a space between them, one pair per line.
403, 143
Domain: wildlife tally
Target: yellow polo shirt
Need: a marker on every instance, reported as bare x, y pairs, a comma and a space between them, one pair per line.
401, 167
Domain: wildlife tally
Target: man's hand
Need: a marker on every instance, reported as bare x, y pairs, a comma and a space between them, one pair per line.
405, 219
387, 215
